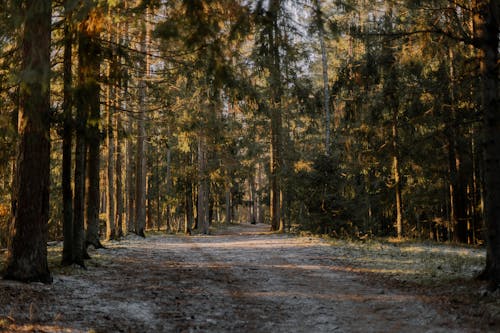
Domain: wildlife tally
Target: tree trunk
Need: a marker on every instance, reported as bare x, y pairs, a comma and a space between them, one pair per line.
228, 219
129, 172
458, 201
67, 191
140, 181
79, 178
276, 118
168, 191
397, 175
30, 218
486, 24
203, 204
189, 216
324, 62
118, 177
110, 192
92, 67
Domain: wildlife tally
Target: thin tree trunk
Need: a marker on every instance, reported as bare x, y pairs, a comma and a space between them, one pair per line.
189, 216
202, 211
67, 191
276, 119
31, 213
140, 181
169, 226
110, 192
397, 176
118, 177
324, 62
129, 172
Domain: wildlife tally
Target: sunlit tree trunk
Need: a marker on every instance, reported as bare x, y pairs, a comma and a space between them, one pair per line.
27, 256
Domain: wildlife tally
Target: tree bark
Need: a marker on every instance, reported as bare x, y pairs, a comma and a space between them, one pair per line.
486, 24
189, 216
203, 204
30, 218
397, 175
67, 191
324, 62
458, 201
92, 66
140, 181
118, 172
275, 84
110, 192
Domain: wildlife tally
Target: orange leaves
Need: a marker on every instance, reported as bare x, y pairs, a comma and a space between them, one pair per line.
94, 23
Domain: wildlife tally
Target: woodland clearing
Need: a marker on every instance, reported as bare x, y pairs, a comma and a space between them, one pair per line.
245, 279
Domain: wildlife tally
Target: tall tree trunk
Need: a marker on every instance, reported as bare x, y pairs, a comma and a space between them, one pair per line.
118, 171
92, 66
486, 23
27, 256
324, 62
140, 181
79, 178
129, 176
110, 192
458, 202
67, 191
276, 118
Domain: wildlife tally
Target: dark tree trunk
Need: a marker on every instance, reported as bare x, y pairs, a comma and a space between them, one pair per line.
118, 179
87, 99
30, 218
189, 217
79, 179
67, 191
110, 192
486, 23
140, 166
92, 67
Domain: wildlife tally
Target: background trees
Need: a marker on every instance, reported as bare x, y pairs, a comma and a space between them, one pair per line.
353, 117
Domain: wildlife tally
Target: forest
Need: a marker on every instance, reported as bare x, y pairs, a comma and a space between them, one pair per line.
349, 118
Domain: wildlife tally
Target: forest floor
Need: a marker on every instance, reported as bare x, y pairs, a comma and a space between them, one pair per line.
245, 279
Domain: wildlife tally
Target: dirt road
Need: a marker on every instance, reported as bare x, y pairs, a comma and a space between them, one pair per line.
240, 280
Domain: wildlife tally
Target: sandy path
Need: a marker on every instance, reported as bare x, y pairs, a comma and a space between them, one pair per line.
241, 280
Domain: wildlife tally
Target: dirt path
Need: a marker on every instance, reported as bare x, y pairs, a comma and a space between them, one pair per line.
240, 280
